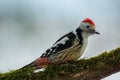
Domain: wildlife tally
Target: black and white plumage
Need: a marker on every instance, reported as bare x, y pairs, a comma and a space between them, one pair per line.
69, 47
65, 46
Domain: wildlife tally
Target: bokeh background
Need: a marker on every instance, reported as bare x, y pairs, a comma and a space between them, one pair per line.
29, 27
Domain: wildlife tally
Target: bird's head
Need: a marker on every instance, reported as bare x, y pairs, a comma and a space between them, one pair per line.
87, 25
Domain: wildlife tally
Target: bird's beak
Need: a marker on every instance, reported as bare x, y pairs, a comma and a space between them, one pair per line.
96, 32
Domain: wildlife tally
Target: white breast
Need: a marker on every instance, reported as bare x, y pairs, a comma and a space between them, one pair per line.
85, 41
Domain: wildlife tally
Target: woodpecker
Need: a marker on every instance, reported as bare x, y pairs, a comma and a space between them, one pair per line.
69, 47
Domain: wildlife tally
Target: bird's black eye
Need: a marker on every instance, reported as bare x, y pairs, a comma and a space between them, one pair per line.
88, 26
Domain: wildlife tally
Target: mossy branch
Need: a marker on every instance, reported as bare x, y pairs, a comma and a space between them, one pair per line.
94, 68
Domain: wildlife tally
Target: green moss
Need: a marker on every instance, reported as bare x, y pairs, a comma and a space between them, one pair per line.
56, 72
17, 74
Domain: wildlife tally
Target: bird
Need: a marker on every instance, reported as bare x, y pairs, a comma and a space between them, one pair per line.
67, 48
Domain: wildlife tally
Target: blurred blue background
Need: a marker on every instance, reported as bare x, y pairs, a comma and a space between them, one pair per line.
29, 27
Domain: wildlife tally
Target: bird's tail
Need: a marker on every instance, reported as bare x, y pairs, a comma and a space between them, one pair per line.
31, 65
38, 63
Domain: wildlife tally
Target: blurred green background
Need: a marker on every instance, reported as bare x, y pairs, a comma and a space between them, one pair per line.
29, 27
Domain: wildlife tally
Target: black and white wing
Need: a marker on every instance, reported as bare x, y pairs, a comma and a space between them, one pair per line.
61, 44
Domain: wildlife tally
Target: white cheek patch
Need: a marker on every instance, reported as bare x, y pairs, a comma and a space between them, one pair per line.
83, 25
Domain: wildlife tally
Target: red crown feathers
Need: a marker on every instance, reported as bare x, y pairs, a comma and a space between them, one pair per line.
89, 21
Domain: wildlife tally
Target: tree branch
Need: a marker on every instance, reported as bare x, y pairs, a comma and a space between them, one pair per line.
94, 68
